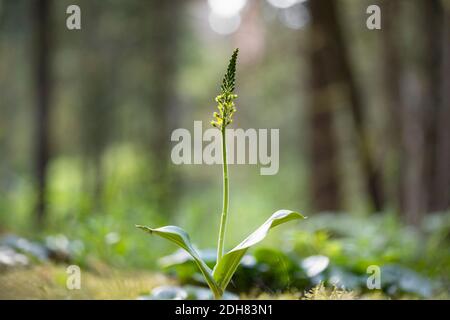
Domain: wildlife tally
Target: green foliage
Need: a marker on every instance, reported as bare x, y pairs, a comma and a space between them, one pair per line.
354, 242
336, 254
227, 264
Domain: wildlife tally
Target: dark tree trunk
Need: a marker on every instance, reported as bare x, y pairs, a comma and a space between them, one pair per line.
422, 109
324, 159
392, 71
41, 13
441, 193
434, 63
372, 174
98, 92
337, 70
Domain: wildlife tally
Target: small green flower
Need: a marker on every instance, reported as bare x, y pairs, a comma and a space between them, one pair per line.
225, 102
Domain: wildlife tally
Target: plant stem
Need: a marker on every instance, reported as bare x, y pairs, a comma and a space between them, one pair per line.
223, 220
217, 295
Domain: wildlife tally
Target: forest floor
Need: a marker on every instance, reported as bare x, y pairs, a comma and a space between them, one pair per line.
48, 281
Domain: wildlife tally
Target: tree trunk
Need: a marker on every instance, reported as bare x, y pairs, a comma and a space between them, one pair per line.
442, 179
324, 159
434, 132
41, 13
336, 68
421, 95
392, 71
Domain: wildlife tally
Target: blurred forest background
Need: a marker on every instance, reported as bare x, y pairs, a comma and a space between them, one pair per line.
86, 117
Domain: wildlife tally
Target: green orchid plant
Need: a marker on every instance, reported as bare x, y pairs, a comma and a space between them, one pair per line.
227, 263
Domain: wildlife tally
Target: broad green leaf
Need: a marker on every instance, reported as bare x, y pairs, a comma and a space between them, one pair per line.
225, 268
181, 238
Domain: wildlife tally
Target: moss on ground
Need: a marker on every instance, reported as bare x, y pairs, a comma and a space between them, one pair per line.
49, 282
